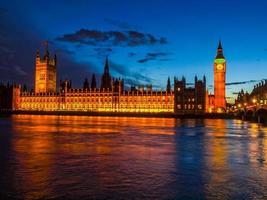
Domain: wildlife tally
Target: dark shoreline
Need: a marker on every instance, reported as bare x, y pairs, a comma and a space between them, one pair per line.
122, 114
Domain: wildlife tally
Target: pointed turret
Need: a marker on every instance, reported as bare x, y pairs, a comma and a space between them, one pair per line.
219, 51
37, 58
86, 84
106, 78
47, 53
106, 66
93, 83
168, 89
38, 54
220, 45
183, 79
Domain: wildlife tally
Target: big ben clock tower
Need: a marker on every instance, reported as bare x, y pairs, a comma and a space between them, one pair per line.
219, 80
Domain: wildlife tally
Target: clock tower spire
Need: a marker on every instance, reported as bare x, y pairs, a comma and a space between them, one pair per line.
220, 51
219, 80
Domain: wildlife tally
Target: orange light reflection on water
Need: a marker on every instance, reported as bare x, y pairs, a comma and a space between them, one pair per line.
44, 141
67, 151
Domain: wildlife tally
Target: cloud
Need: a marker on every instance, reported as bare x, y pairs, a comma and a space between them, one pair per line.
144, 60
124, 71
243, 82
64, 51
120, 69
238, 83
141, 77
165, 59
18, 69
155, 56
5, 50
103, 51
131, 82
131, 54
111, 38
128, 82
130, 78
15, 70
17, 55
7, 55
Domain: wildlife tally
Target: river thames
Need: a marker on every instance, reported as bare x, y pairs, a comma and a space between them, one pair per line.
68, 157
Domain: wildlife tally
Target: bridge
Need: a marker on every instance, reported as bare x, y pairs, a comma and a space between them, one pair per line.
256, 113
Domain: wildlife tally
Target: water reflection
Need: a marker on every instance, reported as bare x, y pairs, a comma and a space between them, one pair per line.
121, 158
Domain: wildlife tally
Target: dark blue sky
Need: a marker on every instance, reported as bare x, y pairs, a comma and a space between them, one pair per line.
146, 41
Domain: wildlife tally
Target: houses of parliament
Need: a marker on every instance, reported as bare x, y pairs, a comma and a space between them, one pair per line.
112, 96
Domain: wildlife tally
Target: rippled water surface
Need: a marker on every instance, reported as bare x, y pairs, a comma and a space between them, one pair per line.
68, 157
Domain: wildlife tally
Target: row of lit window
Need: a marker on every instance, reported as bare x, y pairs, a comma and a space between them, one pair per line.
109, 99
88, 94
145, 99
25, 106
56, 99
50, 99
189, 106
179, 98
40, 105
101, 103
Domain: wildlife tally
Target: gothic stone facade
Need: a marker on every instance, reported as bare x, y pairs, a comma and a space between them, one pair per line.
110, 97
257, 96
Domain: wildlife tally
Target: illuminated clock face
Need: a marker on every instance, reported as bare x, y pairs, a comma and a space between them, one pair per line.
219, 66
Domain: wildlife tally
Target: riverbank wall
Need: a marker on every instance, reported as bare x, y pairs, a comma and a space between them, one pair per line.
122, 114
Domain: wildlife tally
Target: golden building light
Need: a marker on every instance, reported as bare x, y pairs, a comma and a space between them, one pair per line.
111, 97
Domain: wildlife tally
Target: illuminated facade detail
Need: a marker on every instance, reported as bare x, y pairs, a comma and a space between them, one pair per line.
252, 106
189, 100
257, 97
111, 96
99, 101
45, 73
217, 103
93, 82
210, 103
219, 80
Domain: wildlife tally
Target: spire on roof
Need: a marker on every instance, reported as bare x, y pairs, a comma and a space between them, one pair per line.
220, 45
106, 66
93, 82
219, 51
168, 88
106, 78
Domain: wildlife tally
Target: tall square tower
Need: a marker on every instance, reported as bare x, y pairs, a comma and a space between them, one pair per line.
45, 73
219, 80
